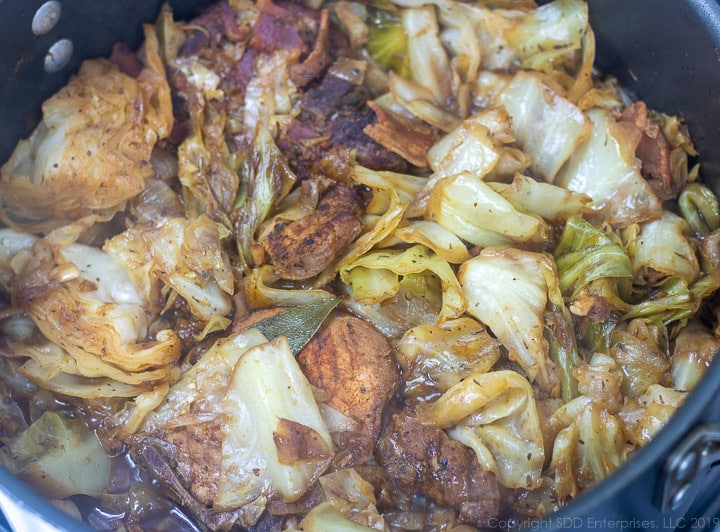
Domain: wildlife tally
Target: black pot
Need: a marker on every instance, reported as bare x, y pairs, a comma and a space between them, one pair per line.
666, 51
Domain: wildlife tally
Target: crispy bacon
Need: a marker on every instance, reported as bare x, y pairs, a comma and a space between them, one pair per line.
126, 60
303, 73
334, 115
410, 139
277, 28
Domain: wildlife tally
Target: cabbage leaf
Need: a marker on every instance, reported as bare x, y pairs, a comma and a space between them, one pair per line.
60, 456
547, 126
438, 356
495, 415
604, 167
468, 207
508, 290
377, 276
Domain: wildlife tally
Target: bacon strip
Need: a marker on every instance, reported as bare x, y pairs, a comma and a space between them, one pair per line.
409, 139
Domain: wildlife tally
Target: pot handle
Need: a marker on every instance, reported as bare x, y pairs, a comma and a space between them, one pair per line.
686, 470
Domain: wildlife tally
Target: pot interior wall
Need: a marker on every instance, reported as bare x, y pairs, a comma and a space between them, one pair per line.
665, 52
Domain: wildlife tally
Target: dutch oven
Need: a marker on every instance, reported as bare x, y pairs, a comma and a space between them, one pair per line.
665, 51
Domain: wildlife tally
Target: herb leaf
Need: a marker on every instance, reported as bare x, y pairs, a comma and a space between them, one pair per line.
298, 324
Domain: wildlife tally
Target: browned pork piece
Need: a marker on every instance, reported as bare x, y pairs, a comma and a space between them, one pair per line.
421, 458
352, 366
351, 362
186, 461
305, 247
653, 150
347, 361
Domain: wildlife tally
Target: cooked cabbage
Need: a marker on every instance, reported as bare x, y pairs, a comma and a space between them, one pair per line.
495, 415
639, 350
468, 207
91, 152
586, 256
661, 247
547, 126
604, 167
533, 280
60, 456
699, 206
428, 61
439, 356
647, 414
387, 41
552, 203
508, 290
695, 349
85, 302
188, 256
377, 276
275, 437
588, 449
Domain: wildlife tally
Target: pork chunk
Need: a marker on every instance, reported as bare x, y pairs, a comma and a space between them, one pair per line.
421, 458
351, 362
186, 461
352, 366
304, 248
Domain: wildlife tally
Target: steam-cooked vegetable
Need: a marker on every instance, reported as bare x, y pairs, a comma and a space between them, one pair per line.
86, 303
639, 352
494, 414
508, 290
588, 449
387, 41
661, 248
552, 203
465, 205
695, 349
604, 167
440, 356
266, 182
378, 276
699, 206
547, 126
586, 255
544, 37
352, 497
429, 63
647, 414
60, 456
275, 437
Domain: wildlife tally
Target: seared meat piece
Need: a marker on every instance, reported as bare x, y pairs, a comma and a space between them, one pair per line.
304, 248
196, 450
410, 139
351, 362
211, 27
421, 458
187, 463
284, 26
126, 60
